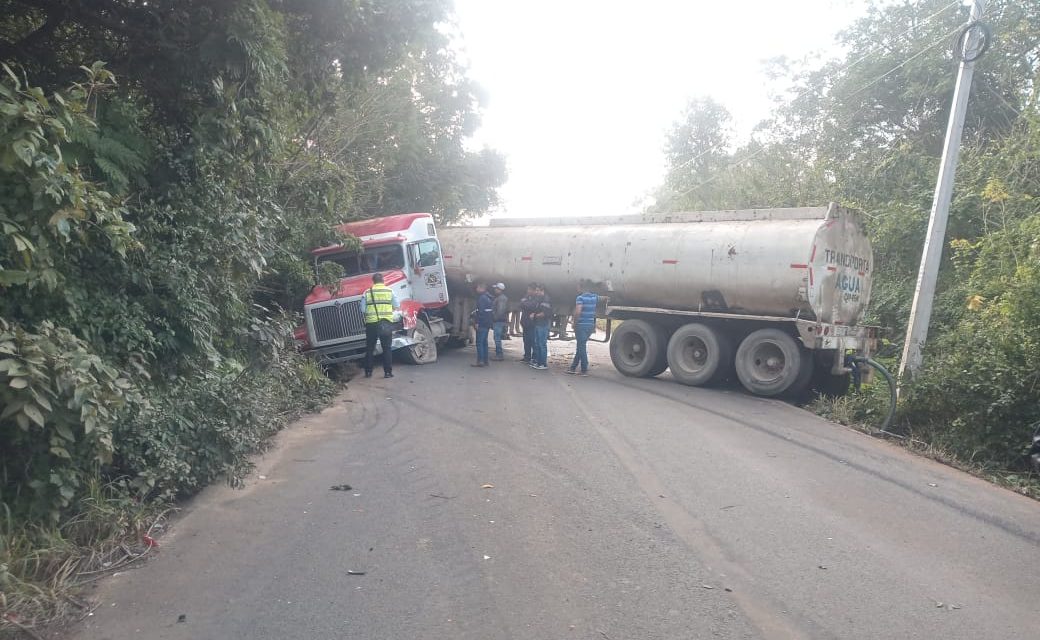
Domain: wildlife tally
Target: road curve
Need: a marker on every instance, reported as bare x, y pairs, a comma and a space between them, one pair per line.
512, 503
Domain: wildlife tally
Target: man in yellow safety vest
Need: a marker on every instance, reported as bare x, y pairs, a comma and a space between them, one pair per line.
378, 305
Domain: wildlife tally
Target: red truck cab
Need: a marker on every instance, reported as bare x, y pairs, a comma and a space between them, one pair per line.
405, 249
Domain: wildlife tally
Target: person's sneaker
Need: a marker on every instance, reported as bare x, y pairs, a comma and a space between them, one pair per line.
583, 374
498, 358
478, 364
541, 367
388, 375
570, 371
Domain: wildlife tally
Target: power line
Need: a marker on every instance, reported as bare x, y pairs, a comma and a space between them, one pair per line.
902, 64
866, 55
873, 82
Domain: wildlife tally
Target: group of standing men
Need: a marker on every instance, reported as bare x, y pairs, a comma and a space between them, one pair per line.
492, 316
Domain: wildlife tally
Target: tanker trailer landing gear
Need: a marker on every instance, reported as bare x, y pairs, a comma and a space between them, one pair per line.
699, 354
639, 349
770, 362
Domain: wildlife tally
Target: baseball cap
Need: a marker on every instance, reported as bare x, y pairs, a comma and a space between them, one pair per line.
500, 286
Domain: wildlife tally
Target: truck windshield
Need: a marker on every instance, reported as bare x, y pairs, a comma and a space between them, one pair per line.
373, 259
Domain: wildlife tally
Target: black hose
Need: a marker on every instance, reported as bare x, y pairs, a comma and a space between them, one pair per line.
981, 45
891, 391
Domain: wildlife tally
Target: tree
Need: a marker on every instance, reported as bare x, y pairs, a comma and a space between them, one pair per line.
157, 210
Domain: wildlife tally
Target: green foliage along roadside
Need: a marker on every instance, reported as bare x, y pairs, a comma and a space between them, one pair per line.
867, 130
164, 168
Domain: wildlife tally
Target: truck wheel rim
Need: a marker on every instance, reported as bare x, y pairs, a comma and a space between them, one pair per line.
767, 362
693, 356
633, 349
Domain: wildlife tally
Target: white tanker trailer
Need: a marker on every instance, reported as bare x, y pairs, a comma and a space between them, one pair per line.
775, 295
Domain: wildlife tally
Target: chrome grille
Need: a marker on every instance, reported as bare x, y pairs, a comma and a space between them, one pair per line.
337, 321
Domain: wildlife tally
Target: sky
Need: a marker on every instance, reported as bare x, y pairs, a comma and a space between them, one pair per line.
580, 94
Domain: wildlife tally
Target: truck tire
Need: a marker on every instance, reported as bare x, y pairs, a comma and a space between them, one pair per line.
698, 354
832, 386
769, 362
639, 349
424, 350
799, 390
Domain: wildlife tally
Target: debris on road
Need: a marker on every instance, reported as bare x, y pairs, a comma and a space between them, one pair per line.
262, 477
182, 618
932, 484
352, 572
821, 567
707, 586
728, 590
340, 487
486, 557
437, 495
487, 486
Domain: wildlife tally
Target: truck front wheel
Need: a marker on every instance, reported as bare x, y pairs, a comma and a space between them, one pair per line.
638, 349
699, 354
424, 348
769, 362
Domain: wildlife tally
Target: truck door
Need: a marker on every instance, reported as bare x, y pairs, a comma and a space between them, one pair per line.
427, 273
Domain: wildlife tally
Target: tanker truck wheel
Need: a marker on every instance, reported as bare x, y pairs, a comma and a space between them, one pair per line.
638, 349
424, 349
698, 354
769, 362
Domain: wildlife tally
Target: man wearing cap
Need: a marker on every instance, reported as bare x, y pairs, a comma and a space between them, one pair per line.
500, 314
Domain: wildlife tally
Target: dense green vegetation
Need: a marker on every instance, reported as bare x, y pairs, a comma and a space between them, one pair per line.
867, 130
164, 168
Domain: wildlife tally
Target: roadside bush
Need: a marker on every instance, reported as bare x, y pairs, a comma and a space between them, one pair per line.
59, 402
198, 429
980, 393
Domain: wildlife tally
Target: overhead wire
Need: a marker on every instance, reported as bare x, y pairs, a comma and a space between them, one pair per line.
843, 70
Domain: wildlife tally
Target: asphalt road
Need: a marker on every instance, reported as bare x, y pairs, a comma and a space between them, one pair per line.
620, 509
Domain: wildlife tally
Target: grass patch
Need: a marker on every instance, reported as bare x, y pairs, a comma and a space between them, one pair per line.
865, 410
42, 568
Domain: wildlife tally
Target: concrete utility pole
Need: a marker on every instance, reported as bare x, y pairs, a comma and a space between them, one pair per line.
921, 312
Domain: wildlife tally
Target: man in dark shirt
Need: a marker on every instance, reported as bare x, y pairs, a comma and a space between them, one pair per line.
528, 304
542, 317
483, 319
500, 315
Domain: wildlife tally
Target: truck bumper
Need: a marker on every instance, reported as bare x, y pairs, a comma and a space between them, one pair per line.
354, 349
821, 335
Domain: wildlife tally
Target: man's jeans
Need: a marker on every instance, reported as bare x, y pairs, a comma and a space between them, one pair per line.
500, 329
528, 343
482, 344
581, 355
541, 344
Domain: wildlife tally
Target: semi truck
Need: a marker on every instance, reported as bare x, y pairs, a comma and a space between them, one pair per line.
405, 250
773, 297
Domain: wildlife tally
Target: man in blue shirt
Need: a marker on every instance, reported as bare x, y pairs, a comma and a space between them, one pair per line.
484, 319
584, 326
